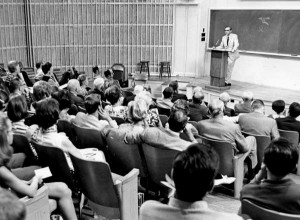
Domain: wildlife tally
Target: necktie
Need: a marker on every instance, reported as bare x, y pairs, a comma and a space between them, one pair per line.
227, 40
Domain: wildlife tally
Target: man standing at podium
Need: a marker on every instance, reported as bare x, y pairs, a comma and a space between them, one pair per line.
230, 42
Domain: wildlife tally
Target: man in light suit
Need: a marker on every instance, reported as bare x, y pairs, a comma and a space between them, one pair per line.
230, 42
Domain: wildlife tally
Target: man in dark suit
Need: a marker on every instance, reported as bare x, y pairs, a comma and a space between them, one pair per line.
176, 95
290, 123
73, 87
257, 123
245, 106
225, 98
198, 111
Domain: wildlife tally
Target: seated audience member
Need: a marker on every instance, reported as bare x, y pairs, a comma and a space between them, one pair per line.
272, 188
225, 98
57, 191
166, 102
198, 111
39, 72
11, 208
91, 120
67, 111
219, 129
137, 90
71, 73
109, 79
176, 95
14, 72
96, 72
15, 87
49, 75
290, 123
245, 106
73, 88
17, 112
256, 123
114, 97
278, 107
98, 88
152, 117
25, 75
194, 170
83, 82
41, 90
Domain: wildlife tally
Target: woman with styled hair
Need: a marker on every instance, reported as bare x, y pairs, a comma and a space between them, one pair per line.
57, 191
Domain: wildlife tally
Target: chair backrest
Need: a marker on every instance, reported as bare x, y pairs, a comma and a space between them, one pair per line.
164, 111
164, 119
159, 162
225, 151
259, 213
89, 138
124, 157
96, 181
119, 71
55, 159
262, 142
291, 136
58, 73
66, 127
21, 145
28, 69
118, 120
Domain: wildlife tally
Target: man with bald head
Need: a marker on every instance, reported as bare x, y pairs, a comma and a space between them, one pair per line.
73, 88
198, 111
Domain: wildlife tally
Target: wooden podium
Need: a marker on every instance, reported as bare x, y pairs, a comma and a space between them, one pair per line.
218, 69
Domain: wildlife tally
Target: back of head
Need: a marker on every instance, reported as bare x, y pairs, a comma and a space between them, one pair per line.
12, 66
63, 98
177, 120
11, 208
224, 97
17, 108
247, 96
108, 73
38, 64
137, 110
95, 69
181, 104
98, 83
112, 94
281, 157
194, 170
168, 92
46, 67
73, 85
144, 95
278, 106
91, 103
216, 107
138, 89
14, 84
294, 109
197, 89
41, 90
81, 79
47, 112
257, 104
198, 97
174, 85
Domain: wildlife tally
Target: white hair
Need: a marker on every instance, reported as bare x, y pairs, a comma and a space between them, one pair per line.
98, 82
225, 97
144, 95
138, 89
197, 89
247, 96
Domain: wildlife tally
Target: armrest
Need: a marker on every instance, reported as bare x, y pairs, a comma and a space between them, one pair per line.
242, 156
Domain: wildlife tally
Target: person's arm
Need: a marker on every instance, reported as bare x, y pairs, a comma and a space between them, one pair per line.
262, 174
240, 140
17, 185
105, 116
70, 148
235, 44
188, 131
274, 131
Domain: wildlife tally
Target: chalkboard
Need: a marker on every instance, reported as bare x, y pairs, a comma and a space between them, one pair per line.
269, 31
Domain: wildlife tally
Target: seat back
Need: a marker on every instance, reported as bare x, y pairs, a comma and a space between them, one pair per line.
124, 157
66, 127
21, 145
164, 111
96, 182
291, 136
159, 162
226, 153
120, 74
54, 158
89, 138
262, 142
259, 213
164, 119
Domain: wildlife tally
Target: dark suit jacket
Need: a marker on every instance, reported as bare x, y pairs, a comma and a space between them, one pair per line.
242, 108
178, 96
26, 79
288, 123
198, 112
229, 111
258, 124
76, 100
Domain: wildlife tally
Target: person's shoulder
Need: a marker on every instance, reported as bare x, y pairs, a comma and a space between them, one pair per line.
152, 210
226, 216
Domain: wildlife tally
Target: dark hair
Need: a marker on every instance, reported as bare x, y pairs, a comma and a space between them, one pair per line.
278, 106
257, 103
181, 104
63, 99
174, 85
198, 99
92, 103
294, 110
47, 113
194, 170
81, 79
41, 90
6, 151
17, 108
108, 73
95, 69
168, 92
11, 208
46, 67
112, 94
228, 27
38, 64
177, 120
14, 84
281, 157
12, 66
